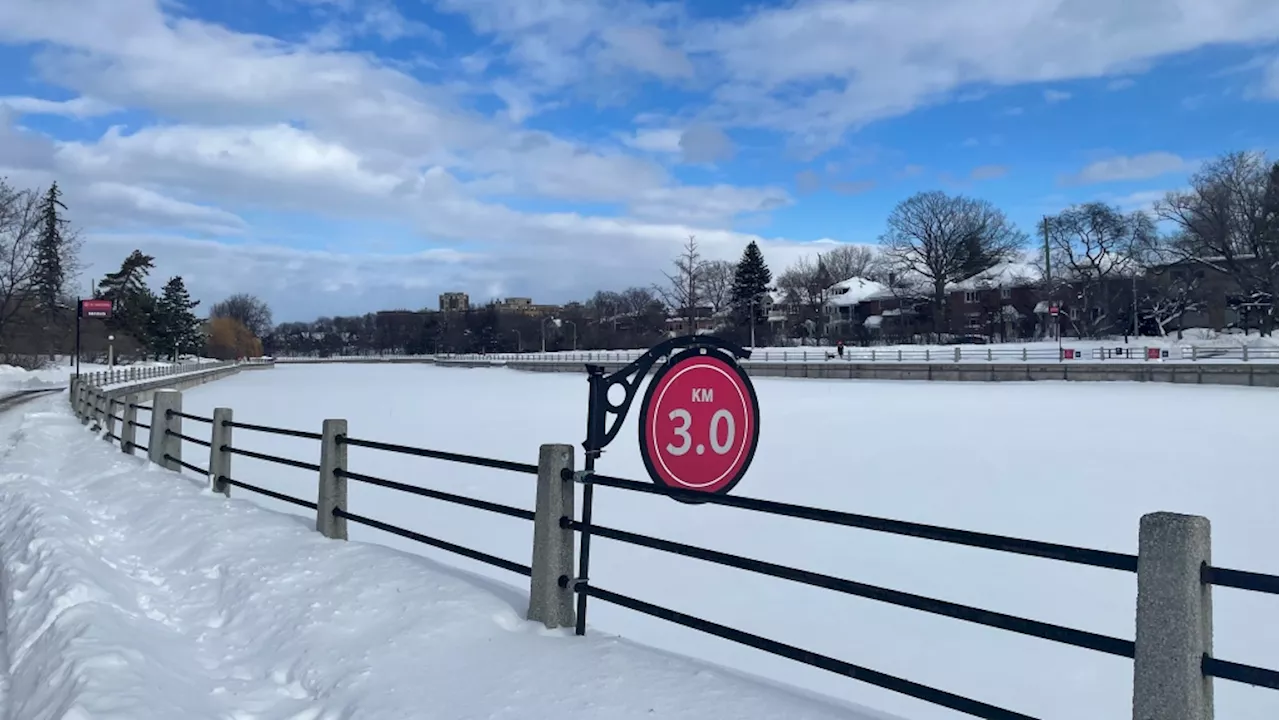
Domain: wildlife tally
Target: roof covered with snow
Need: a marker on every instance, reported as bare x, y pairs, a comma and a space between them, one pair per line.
853, 291
1007, 274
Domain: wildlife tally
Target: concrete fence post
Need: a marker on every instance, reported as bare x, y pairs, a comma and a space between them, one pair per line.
165, 447
549, 603
1174, 620
129, 428
220, 458
86, 396
333, 488
109, 417
99, 399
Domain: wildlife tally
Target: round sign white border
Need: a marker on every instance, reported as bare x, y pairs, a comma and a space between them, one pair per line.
746, 413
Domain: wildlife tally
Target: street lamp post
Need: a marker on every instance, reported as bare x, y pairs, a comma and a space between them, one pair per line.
111, 352
572, 324
519, 341
543, 328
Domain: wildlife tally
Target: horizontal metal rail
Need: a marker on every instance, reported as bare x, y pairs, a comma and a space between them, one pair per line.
1002, 543
916, 690
188, 438
144, 426
143, 448
187, 465
305, 435
268, 493
140, 407
1012, 623
442, 455
117, 418
438, 495
1240, 579
187, 416
1247, 674
466, 552
301, 465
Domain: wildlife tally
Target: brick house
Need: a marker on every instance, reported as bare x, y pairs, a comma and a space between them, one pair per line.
999, 304
704, 319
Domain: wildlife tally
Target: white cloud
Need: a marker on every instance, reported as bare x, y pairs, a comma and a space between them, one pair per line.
656, 140
1056, 96
880, 58
79, 107
145, 208
988, 172
704, 143
1144, 200
1121, 84
1130, 167
644, 49
1268, 86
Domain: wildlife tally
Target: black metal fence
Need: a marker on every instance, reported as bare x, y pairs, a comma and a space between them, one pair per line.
103, 406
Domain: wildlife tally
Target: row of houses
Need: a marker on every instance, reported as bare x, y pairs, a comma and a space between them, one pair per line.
1008, 302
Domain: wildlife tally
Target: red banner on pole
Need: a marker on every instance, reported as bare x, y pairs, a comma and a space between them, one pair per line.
95, 308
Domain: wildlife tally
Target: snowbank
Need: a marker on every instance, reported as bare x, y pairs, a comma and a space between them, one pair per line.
130, 592
58, 372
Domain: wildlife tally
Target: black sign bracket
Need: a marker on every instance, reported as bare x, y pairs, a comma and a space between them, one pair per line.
605, 417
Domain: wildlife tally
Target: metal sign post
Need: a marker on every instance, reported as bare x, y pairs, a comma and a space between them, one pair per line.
700, 423
92, 309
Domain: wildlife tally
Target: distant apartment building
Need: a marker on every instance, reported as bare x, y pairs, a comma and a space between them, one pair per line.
455, 302
524, 306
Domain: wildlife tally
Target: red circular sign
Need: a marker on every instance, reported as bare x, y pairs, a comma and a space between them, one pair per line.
699, 423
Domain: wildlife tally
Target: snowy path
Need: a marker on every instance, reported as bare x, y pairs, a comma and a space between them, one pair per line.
129, 592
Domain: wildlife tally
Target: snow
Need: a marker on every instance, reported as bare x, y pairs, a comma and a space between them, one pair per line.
59, 371
853, 291
130, 594
1074, 463
1016, 273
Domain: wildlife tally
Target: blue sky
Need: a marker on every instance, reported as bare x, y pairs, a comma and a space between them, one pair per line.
336, 157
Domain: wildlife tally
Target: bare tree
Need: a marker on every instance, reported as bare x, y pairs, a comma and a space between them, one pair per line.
1227, 224
252, 312
1094, 247
850, 261
808, 284
944, 239
19, 230
717, 284
682, 294
1168, 297
635, 301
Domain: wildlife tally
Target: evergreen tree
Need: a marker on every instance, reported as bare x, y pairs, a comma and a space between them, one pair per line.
134, 304
751, 280
176, 329
50, 275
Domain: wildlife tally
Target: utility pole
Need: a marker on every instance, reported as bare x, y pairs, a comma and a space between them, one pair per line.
1048, 268
1134, 293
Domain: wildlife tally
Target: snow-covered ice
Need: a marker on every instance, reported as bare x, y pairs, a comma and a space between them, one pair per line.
1074, 463
130, 593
